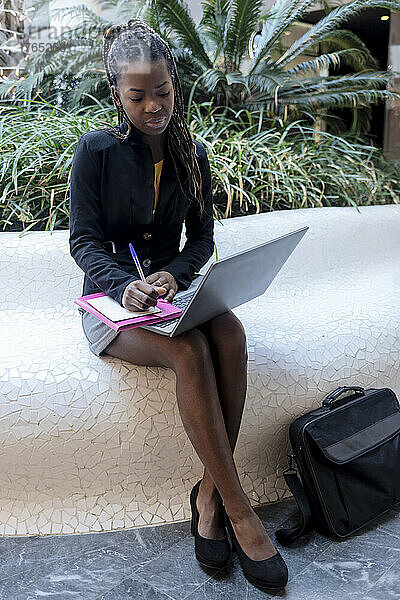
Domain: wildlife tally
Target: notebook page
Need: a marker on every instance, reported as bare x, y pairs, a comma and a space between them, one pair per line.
113, 311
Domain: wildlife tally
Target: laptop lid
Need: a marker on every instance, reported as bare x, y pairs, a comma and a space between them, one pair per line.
237, 279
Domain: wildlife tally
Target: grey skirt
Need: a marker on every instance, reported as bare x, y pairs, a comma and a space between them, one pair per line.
97, 333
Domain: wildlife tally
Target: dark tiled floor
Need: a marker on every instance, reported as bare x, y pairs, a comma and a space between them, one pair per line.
158, 563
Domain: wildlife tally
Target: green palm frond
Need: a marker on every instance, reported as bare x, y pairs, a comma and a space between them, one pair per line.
215, 26
343, 99
84, 63
212, 57
212, 78
326, 92
176, 14
88, 85
310, 106
237, 78
349, 82
63, 58
268, 81
215, 22
331, 22
81, 13
347, 40
122, 10
21, 89
73, 41
243, 22
152, 16
356, 59
70, 49
280, 17
186, 61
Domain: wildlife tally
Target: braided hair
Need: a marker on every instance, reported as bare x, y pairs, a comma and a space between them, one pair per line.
134, 41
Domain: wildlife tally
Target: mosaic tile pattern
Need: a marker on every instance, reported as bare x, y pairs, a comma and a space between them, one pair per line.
94, 444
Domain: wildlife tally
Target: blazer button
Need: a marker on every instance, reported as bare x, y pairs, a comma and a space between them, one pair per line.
147, 236
146, 262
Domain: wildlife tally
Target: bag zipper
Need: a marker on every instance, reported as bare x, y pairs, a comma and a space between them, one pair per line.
302, 444
314, 478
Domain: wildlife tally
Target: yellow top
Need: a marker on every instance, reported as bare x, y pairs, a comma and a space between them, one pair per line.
157, 176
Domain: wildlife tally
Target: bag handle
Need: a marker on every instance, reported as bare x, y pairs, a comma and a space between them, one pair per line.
330, 399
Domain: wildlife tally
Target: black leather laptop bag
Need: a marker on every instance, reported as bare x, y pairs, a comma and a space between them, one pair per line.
347, 454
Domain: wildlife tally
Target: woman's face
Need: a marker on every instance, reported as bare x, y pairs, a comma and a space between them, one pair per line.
147, 94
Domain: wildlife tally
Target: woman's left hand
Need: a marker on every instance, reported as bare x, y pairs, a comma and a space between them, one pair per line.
165, 280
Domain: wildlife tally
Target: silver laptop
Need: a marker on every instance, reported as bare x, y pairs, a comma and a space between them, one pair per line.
230, 282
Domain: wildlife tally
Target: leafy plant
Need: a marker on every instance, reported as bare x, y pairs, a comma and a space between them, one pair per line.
213, 57
254, 168
36, 146
279, 82
257, 169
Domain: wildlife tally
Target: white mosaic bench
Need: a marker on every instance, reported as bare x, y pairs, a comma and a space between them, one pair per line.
91, 444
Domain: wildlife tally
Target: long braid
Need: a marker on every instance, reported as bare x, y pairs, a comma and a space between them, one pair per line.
132, 41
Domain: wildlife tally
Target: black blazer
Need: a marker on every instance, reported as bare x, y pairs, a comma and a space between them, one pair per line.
111, 199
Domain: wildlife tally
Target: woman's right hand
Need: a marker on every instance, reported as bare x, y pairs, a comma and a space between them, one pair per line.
139, 295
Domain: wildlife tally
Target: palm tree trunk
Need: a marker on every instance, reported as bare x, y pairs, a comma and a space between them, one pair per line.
320, 123
12, 37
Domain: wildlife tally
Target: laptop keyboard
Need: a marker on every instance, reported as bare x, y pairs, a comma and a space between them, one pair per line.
180, 302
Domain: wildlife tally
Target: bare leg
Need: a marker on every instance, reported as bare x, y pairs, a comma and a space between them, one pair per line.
201, 413
227, 341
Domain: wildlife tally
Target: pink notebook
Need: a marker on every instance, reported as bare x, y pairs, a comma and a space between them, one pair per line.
168, 311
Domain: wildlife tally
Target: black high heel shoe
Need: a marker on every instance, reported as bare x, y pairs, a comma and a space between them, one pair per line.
215, 554
270, 573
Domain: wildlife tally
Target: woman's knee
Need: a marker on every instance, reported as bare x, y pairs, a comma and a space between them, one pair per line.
191, 350
229, 330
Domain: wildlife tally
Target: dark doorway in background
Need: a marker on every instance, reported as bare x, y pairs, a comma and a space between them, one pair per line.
374, 32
